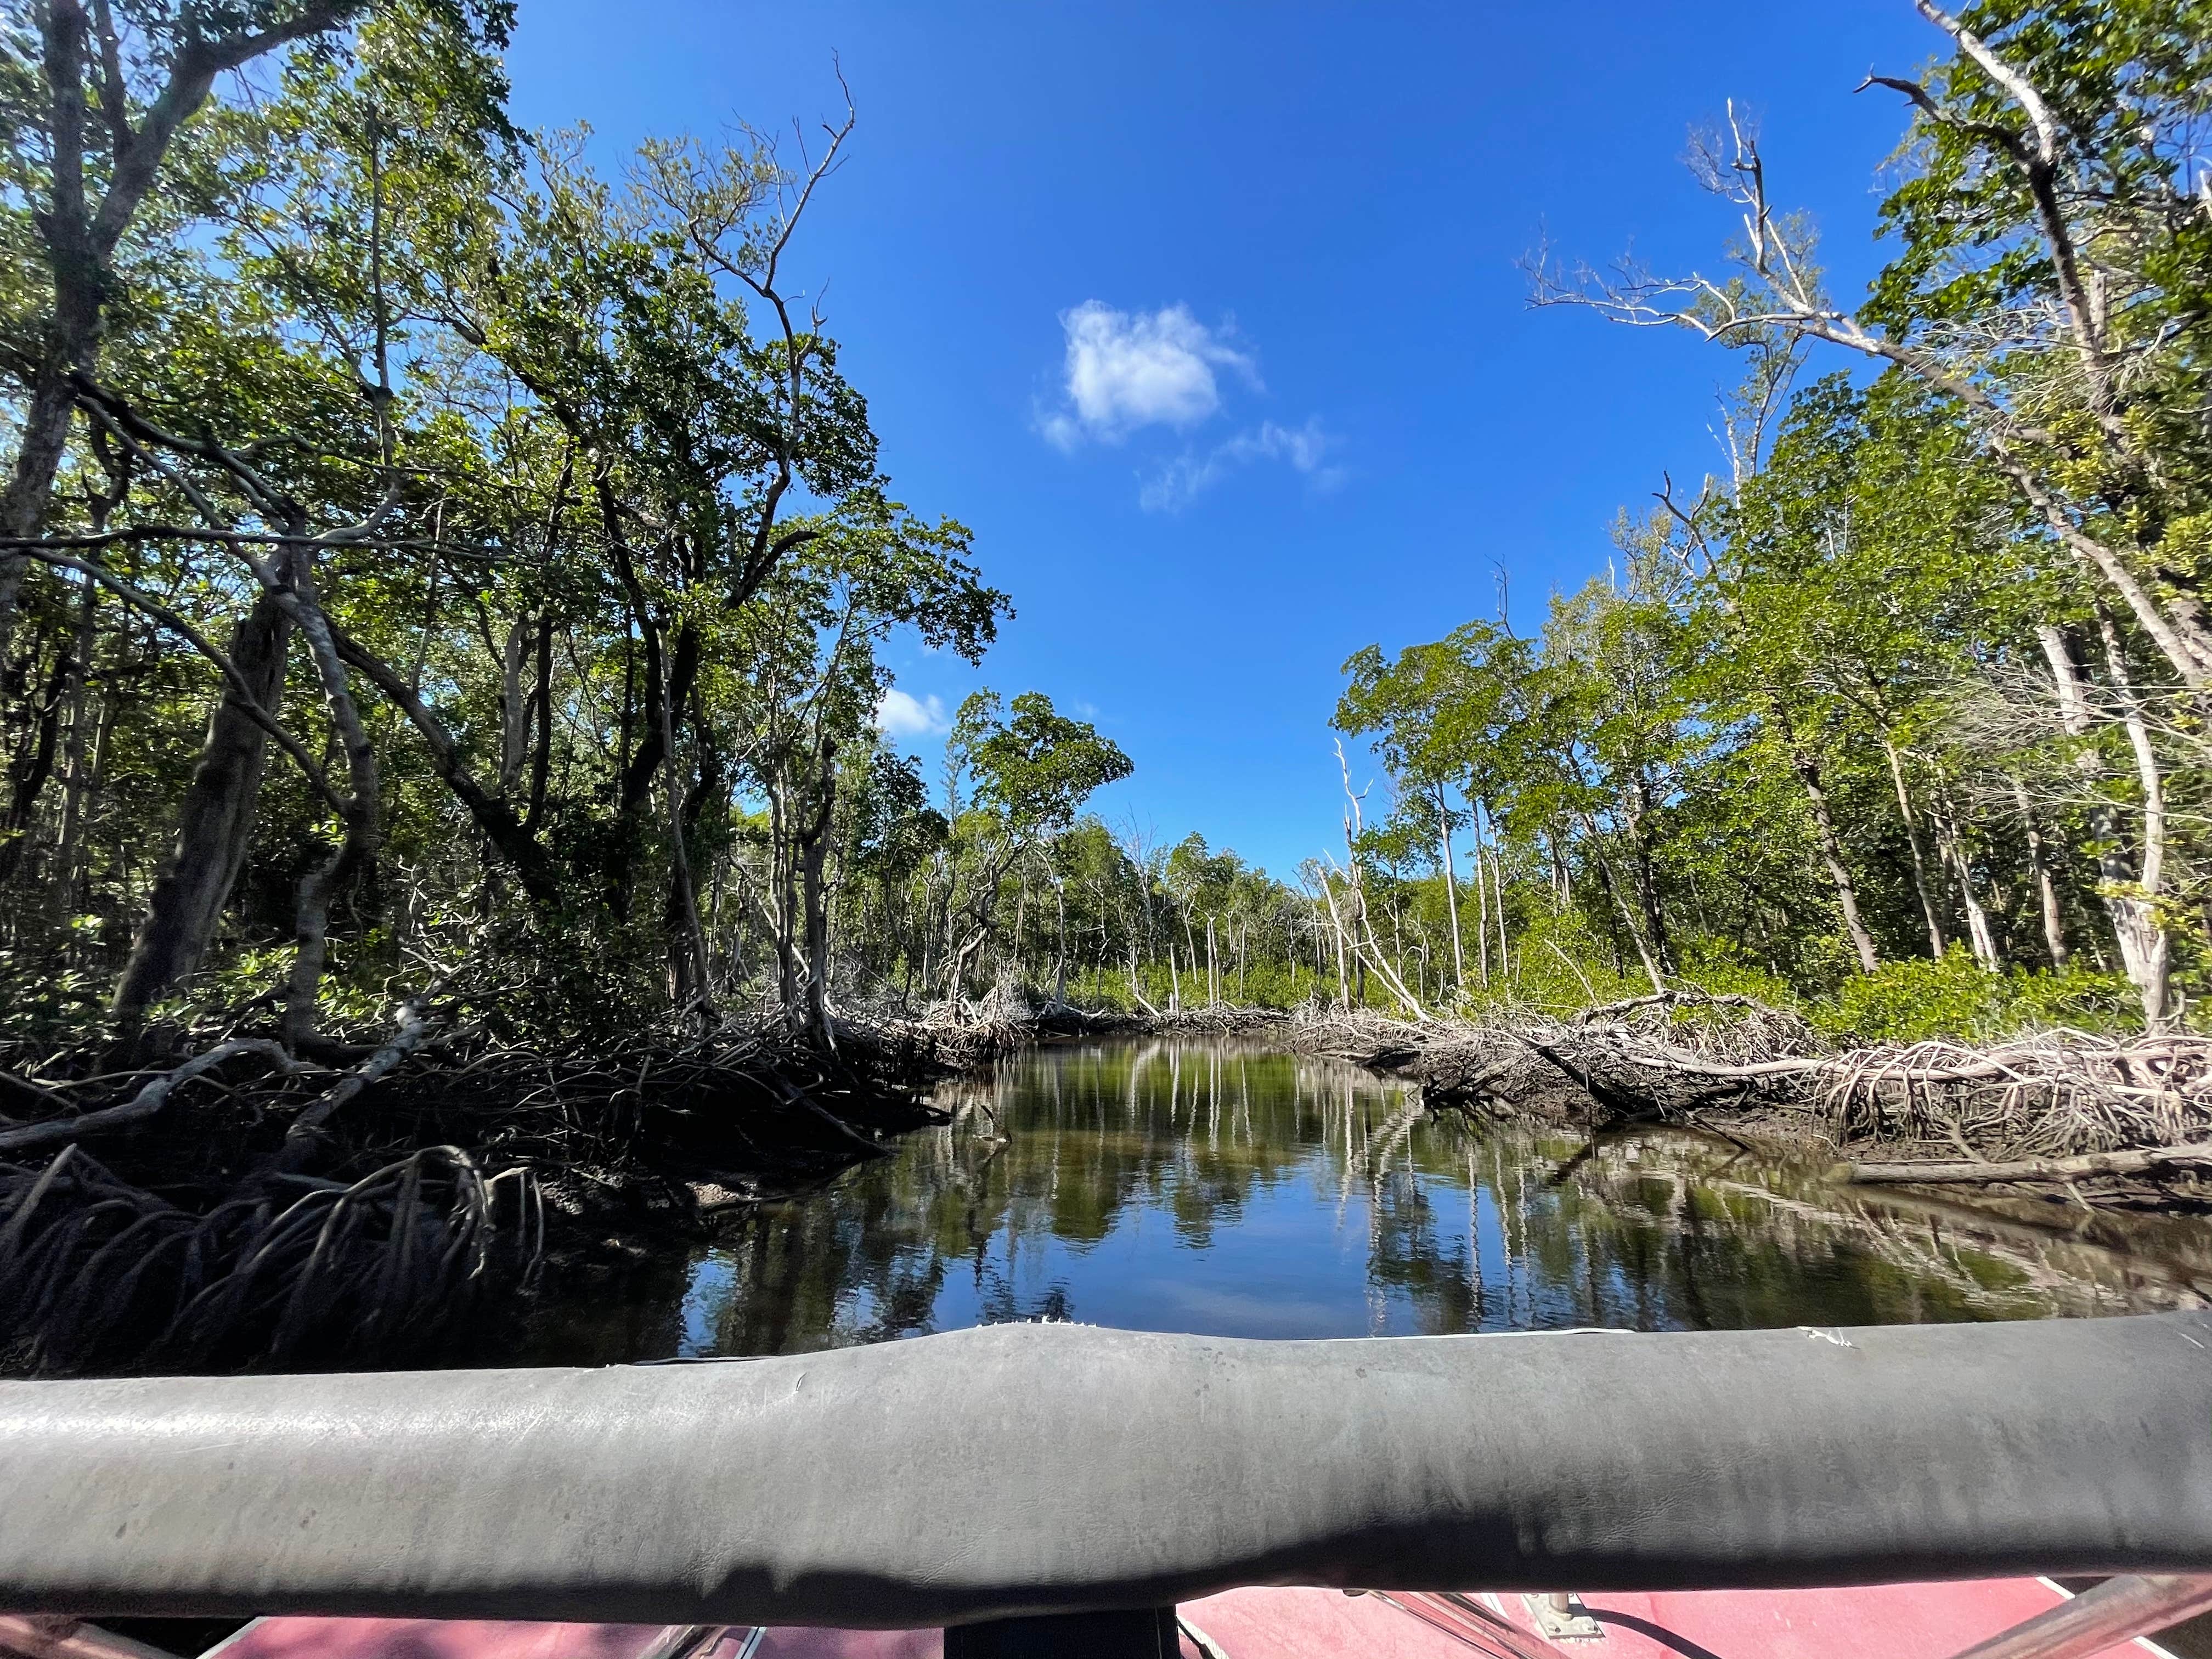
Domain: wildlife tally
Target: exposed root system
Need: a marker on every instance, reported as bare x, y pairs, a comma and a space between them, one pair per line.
2097, 1115
245, 1208
96, 1273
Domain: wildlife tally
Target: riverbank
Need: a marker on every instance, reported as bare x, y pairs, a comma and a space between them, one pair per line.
214, 1202
2064, 1115
229, 1206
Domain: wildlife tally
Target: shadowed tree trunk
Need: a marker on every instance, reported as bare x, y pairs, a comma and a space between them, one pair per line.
214, 825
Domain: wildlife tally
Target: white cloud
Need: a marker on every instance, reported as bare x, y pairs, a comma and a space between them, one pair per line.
899, 714
1304, 449
1128, 369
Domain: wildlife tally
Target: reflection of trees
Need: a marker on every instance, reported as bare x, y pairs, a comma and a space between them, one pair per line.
1666, 1231
1466, 1229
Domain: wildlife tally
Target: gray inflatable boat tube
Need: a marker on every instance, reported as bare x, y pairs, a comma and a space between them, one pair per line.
1035, 1468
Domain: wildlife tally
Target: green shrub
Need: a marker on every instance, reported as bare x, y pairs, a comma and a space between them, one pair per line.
1911, 1000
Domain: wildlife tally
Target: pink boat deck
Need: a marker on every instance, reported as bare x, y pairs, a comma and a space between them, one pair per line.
1891, 1621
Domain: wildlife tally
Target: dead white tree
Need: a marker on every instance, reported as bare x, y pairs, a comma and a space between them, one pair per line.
2012, 371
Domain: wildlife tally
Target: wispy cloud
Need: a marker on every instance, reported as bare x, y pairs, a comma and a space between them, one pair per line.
898, 715
1304, 449
1130, 369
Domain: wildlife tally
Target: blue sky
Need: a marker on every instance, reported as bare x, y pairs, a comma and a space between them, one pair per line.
1205, 318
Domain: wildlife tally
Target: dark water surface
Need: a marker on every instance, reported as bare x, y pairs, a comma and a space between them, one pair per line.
1241, 1191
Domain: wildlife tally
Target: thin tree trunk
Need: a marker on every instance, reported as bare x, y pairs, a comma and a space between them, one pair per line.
2157, 951
541, 758
781, 872
1498, 892
815, 893
2046, 887
76, 787
2135, 928
1627, 913
362, 820
34, 766
694, 985
1451, 888
1832, 851
1978, 933
515, 706
1937, 944
1481, 908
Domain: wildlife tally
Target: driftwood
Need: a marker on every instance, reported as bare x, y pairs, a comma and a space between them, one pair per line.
2065, 1170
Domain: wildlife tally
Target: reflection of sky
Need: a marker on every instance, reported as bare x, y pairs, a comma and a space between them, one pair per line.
1288, 1266
1237, 1204
705, 1295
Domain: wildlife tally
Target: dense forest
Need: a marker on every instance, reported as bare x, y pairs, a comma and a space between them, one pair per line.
431, 564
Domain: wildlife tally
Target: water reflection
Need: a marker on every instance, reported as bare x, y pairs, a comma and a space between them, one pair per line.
1236, 1190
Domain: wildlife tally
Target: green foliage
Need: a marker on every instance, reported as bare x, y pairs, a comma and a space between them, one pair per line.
1035, 767
1955, 997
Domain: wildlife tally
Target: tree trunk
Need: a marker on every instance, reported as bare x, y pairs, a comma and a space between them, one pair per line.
1831, 850
814, 895
1451, 889
2157, 965
2046, 887
33, 765
693, 977
1929, 908
1481, 908
782, 876
1621, 906
45, 438
1647, 877
1498, 895
2135, 928
362, 817
214, 823
514, 705
541, 757
77, 787
1978, 933
542, 880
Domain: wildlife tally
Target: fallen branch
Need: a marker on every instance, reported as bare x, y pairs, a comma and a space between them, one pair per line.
300, 1139
1613, 1011
34, 1137
2060, 1171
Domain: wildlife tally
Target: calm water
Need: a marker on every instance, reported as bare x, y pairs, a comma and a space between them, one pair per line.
1236, 1190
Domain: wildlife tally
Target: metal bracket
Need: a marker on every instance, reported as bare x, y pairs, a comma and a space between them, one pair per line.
1561, 1616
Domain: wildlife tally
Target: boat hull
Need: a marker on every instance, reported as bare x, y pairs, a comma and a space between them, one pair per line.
1898, 1621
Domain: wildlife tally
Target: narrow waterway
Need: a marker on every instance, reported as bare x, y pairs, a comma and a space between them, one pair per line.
1241, 1191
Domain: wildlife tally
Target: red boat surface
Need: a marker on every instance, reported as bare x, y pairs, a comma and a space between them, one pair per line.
1887, 1621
